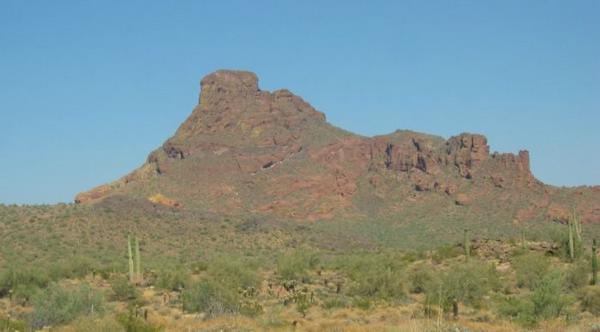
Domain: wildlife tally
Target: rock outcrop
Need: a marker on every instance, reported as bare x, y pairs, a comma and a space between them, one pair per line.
244, 150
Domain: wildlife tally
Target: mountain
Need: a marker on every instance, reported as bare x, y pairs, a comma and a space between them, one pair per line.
247, 151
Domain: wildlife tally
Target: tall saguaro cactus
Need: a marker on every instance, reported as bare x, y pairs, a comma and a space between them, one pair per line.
577, 226
575, 237
467, 244
571, 241
133, 251
130, 254
594, 263
138, 270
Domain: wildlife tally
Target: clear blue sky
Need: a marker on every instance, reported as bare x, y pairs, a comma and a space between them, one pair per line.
89, 88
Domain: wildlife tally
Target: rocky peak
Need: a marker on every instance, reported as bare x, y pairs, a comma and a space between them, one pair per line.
231, 101
228, 82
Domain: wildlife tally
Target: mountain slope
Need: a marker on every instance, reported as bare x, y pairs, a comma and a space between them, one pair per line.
243, 150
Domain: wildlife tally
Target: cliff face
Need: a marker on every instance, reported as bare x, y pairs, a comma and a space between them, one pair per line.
243, 150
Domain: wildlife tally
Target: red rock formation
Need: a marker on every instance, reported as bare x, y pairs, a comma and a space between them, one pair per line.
467, 152
246, 150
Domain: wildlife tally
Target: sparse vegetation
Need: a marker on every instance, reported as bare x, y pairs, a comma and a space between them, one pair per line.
529, 282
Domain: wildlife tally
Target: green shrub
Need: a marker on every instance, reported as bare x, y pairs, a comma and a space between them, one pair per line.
229, 288
123, 289
545, 302
520, 310
334, 303
446, 252
377, 276
233, 273
23, 293
199, 266
547, 297
590, 299
74, 267
58, 305
171, 279
412, 256
134, 324
384, 284
210, 298
13, 325
467, 283
419, 277
302, 303
106, 271
294, 265
561, 237
530, 269
576, 275
12, 277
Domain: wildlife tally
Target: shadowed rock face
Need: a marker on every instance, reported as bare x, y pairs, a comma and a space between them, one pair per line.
243, 150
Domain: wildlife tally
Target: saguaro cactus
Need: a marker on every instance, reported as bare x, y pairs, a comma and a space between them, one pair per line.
130, 254
575, 236
467, 244
138, 270
571, 241
594, 264
577, 226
